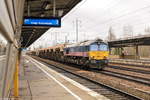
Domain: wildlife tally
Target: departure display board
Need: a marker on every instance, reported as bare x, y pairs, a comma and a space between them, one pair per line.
36, 21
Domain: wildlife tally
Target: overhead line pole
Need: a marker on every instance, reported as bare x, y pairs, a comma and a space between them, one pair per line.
77, 30
54, 8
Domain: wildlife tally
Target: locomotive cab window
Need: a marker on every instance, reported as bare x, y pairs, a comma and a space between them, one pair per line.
93, 47
99, 47
103, 47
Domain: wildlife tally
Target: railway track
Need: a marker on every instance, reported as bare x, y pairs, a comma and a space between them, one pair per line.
121, 95
144, 81
109, 92
129, 64
144, 61
127, 76
137, 79
129, 69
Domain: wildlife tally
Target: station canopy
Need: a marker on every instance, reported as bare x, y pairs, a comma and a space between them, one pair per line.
136, 41
43, 9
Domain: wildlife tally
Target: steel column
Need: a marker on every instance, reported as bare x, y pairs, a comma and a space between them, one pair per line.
16, 76
136, 52
5, 72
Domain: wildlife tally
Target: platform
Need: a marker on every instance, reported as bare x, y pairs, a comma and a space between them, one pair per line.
38, 82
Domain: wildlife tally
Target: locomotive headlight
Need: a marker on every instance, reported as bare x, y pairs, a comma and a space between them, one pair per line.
105, 57
92, 57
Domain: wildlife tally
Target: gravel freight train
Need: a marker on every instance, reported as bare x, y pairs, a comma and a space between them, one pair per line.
91, 53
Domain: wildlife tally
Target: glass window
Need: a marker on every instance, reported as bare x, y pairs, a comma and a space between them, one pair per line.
103, 47
93, 47
71, 49
100, 47
77, 49
87, 48
81, 49
67, 50
3, 47
3, 44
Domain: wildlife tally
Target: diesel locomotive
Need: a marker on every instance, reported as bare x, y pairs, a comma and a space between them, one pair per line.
91, 53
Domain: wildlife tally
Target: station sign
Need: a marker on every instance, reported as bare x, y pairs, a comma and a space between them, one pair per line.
42, 21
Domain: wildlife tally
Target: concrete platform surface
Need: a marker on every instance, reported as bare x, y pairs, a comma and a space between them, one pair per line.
39, 82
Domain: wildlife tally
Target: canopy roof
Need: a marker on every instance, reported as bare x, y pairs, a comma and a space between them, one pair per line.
43, 8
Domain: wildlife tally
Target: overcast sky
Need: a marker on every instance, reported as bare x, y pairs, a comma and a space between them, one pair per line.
95, 17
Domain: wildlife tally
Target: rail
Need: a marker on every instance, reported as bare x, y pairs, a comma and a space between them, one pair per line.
90, 76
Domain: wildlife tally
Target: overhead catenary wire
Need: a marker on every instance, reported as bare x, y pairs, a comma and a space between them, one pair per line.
100, 23
129, 13
123, 15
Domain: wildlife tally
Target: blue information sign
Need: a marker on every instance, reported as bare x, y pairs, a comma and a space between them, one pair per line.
34, 21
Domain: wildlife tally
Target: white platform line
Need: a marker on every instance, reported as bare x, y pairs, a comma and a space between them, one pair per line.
73, 94
2, 56
89, 91
2, 59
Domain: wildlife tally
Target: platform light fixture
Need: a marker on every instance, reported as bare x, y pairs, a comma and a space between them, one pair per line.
60, 13
42, 14
46, 5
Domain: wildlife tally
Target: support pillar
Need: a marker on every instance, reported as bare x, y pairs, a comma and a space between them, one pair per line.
16, 76
4, 85
136, 52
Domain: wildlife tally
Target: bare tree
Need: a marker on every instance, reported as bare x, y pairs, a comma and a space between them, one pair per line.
40, 46
147, 30
128, 31
111, 34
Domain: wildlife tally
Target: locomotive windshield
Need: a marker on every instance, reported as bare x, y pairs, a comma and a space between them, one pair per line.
99, 47
103, 47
